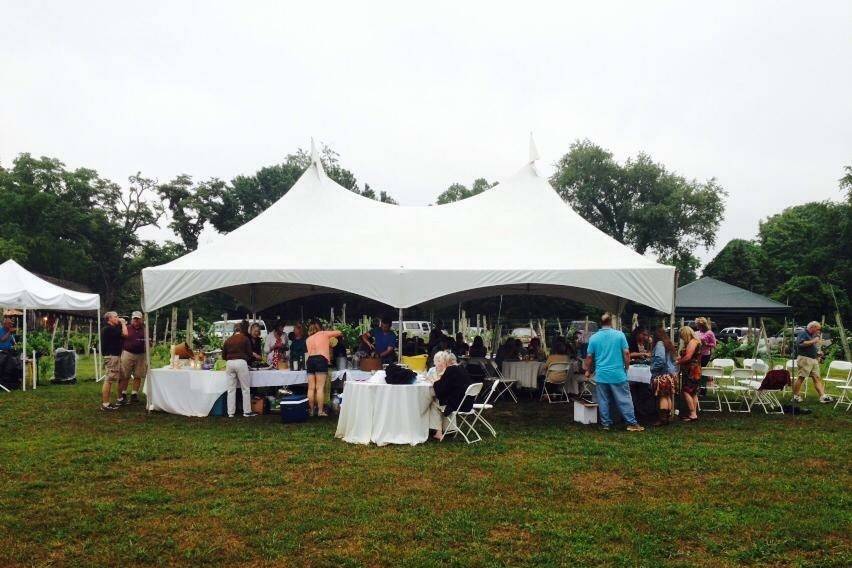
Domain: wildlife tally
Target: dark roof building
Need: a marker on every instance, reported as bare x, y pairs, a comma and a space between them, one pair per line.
714, 298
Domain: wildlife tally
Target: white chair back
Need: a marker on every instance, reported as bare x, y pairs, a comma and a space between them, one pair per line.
713, 372
471, 391
727, 364
841, 369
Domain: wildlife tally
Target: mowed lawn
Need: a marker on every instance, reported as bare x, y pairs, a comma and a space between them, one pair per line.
79, 487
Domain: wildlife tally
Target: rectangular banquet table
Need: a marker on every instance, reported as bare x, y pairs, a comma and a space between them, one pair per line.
525, 372
193, 392
387, 414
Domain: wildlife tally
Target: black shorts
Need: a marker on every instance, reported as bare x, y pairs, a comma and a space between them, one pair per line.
316, 364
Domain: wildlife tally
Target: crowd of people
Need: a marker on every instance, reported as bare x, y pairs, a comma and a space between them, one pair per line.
607, 356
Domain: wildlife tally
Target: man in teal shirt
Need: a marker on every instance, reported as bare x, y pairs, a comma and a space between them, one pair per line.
609, 353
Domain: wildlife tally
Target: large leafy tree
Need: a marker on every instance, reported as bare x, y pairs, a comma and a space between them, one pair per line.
247, 196
458, 191
640, 203
741, 263
188, 206
74, 224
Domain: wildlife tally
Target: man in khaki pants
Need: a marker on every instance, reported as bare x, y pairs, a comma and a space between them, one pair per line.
808, 343
133, 359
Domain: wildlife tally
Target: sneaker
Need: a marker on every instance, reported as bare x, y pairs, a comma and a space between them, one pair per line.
635, 428
230, 416
121, 401
249, 414
134, 397
796, 398
109, 407
825, 399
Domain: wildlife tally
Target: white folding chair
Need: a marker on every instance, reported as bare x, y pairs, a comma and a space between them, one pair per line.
727, 365
765, 396
460, 422
759, 367
485, 405
838, 373
739, 385
495, 374
714, 377
791, 366
561, 393
845, 396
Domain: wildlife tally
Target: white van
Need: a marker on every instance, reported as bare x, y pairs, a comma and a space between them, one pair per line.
225, 329
414, 328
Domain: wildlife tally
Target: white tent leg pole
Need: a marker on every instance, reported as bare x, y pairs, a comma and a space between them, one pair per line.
399, 338
24, 355
674, 307
35, 371
98, 377
150, 391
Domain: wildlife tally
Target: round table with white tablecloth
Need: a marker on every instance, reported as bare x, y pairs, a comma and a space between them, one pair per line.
525, 372
373, 411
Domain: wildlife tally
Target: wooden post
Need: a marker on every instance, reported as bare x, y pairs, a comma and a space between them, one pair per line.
166, 331
89, 342
174, 325
68, 335
153, 332
189, 328
748, 332
53, 335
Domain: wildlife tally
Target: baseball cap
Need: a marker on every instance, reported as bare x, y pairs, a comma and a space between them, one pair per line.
135, 315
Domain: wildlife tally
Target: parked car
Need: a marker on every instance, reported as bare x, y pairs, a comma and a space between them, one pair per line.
736, 333
414, 328
776, 340
525, 334
225, 329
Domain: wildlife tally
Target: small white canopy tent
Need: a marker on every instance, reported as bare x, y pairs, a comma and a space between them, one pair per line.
22, 289
520, 237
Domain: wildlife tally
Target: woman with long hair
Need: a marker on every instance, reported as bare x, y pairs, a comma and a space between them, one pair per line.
708, 340
690, 370
319, 357
663, 375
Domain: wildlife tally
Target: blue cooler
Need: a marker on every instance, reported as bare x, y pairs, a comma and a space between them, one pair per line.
294, 408
220, 407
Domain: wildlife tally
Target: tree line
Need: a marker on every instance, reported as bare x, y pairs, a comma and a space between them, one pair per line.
79, 226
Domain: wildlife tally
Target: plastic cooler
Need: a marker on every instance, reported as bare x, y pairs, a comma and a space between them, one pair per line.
416, 363
294, 408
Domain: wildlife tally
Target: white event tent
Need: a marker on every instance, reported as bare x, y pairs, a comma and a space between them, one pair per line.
521, 238
22, 289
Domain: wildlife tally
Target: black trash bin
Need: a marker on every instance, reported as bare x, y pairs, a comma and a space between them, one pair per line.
64, 367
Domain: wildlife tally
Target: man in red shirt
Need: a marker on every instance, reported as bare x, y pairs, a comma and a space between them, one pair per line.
133, 359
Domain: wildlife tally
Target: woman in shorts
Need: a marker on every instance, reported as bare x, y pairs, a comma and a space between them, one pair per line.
319, 357
664, 375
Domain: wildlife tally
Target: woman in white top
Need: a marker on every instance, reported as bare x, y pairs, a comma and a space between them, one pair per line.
275, 345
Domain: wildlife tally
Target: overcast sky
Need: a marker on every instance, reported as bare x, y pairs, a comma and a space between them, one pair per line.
416, 96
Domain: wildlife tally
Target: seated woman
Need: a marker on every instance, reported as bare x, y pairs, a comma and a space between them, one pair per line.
461, 347
450, 382
558, 355
507, 352
256, 343
478, 347
638, 345
534, 351
664, 375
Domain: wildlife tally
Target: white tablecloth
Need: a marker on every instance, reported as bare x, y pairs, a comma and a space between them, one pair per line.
639, 374
525, 372
387, 414
193, 392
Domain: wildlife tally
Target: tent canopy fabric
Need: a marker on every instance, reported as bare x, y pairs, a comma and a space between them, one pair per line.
714, 298
519, 237
22, 289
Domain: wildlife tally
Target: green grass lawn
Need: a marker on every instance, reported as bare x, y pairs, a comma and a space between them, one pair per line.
79, 487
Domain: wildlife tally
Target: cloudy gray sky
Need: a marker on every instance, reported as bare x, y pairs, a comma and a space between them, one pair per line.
416, 96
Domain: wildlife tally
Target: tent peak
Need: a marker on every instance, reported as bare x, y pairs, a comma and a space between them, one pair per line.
534, 155
315, 158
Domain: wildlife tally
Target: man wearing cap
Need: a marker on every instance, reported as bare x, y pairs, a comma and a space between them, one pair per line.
133, 359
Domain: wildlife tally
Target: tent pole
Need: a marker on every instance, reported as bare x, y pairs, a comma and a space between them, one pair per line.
674, 307
24, 355
150, 394
399, 338
98, 350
